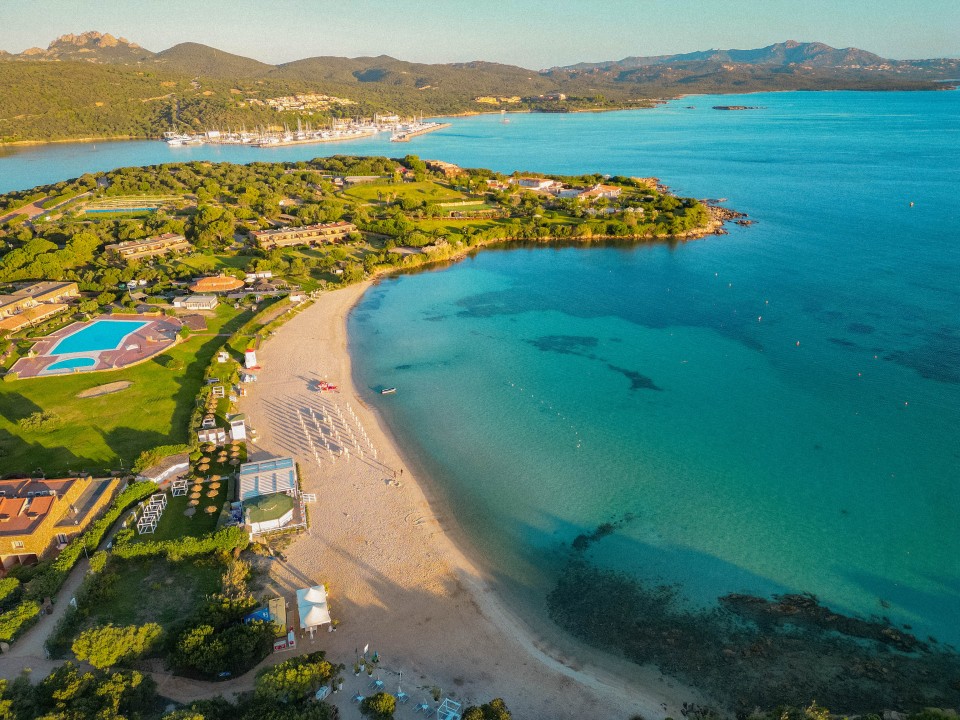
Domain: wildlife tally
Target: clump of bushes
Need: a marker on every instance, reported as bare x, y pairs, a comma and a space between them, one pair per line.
40, 420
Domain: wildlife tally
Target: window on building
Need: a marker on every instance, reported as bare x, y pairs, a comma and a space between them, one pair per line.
18, 544
61, 539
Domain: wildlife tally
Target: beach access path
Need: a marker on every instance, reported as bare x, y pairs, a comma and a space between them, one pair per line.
395, 579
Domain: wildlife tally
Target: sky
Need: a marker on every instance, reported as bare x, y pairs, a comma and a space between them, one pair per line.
531, 33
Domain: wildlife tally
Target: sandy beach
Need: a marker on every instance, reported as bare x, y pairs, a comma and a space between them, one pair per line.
384, 548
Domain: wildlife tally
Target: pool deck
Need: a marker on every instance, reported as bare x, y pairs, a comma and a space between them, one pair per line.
157, 335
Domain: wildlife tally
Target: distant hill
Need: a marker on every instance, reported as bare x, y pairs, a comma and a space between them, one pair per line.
95, 85
813, 54
90, 46
196, 59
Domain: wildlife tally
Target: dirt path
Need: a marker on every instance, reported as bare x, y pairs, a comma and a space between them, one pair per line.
29, 651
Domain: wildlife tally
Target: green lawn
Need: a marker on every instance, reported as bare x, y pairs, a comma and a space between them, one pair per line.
175, 524
426, 190
154, 589
203, 263
97, 434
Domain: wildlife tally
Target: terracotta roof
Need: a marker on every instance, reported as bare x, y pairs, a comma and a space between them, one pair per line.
220, 283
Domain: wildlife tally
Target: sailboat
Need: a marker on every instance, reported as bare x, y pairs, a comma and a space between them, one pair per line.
503, 117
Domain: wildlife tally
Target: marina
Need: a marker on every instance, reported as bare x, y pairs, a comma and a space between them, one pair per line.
306, 135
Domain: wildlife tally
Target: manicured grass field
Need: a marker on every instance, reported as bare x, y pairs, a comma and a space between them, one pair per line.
97, 434
426, 190
202, 263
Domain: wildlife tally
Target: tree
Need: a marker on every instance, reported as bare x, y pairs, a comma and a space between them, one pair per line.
380, 706
294, 678
106, 645
493, 710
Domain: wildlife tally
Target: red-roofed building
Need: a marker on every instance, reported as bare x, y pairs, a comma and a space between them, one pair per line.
38, 517
216, 284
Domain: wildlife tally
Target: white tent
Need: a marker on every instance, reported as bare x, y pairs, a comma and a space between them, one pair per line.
312, 605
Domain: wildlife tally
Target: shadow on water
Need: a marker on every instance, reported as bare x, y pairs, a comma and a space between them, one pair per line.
753, 651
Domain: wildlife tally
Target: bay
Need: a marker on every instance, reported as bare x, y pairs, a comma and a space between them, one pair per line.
774, 410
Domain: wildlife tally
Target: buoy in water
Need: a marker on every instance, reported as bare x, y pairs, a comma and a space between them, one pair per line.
911, 203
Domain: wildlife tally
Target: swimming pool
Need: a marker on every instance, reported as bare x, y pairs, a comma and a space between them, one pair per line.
101, 335
71, 364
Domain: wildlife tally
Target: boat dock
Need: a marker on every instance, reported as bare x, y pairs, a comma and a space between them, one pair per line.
403, 133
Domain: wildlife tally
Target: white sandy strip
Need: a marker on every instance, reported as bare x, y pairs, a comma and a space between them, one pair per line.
396, 579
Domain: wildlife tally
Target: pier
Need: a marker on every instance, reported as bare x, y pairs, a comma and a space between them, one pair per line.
403, 133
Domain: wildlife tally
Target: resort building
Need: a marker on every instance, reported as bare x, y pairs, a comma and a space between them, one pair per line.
600, 191
31, 316
268, 477
39, 517
196, 302
34, 303
34, 294
306, 235
537, 184
151, 247
48, 291
217, 284
448, 169
270, 495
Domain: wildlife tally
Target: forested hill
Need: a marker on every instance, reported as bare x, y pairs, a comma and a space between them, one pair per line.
97, 85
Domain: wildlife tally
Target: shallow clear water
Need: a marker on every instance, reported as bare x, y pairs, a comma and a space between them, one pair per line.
101, 335
777, 408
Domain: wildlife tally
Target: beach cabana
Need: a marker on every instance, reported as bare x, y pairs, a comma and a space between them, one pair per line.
312, 606
448, 710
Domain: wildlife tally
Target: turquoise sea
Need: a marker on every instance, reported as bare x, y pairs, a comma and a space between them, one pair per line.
771, 411
778, 409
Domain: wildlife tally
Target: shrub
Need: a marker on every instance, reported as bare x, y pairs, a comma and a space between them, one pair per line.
40, 420
380, 706
294, 678
106, 645
152, 456
208, 652
493, 710
227, 539
13, 622
10, 592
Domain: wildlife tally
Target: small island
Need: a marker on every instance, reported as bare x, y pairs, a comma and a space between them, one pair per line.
737, 107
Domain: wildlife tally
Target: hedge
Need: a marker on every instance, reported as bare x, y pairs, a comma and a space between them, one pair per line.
10, 591
227, 539
16, 621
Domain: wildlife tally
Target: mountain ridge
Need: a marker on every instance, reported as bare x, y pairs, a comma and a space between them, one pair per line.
97, 85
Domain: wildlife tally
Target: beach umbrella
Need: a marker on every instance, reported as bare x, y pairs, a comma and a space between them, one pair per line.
193, 502
210, 509
214, 486
196, 488
203, 466
205, 459
194, 495
212, 493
